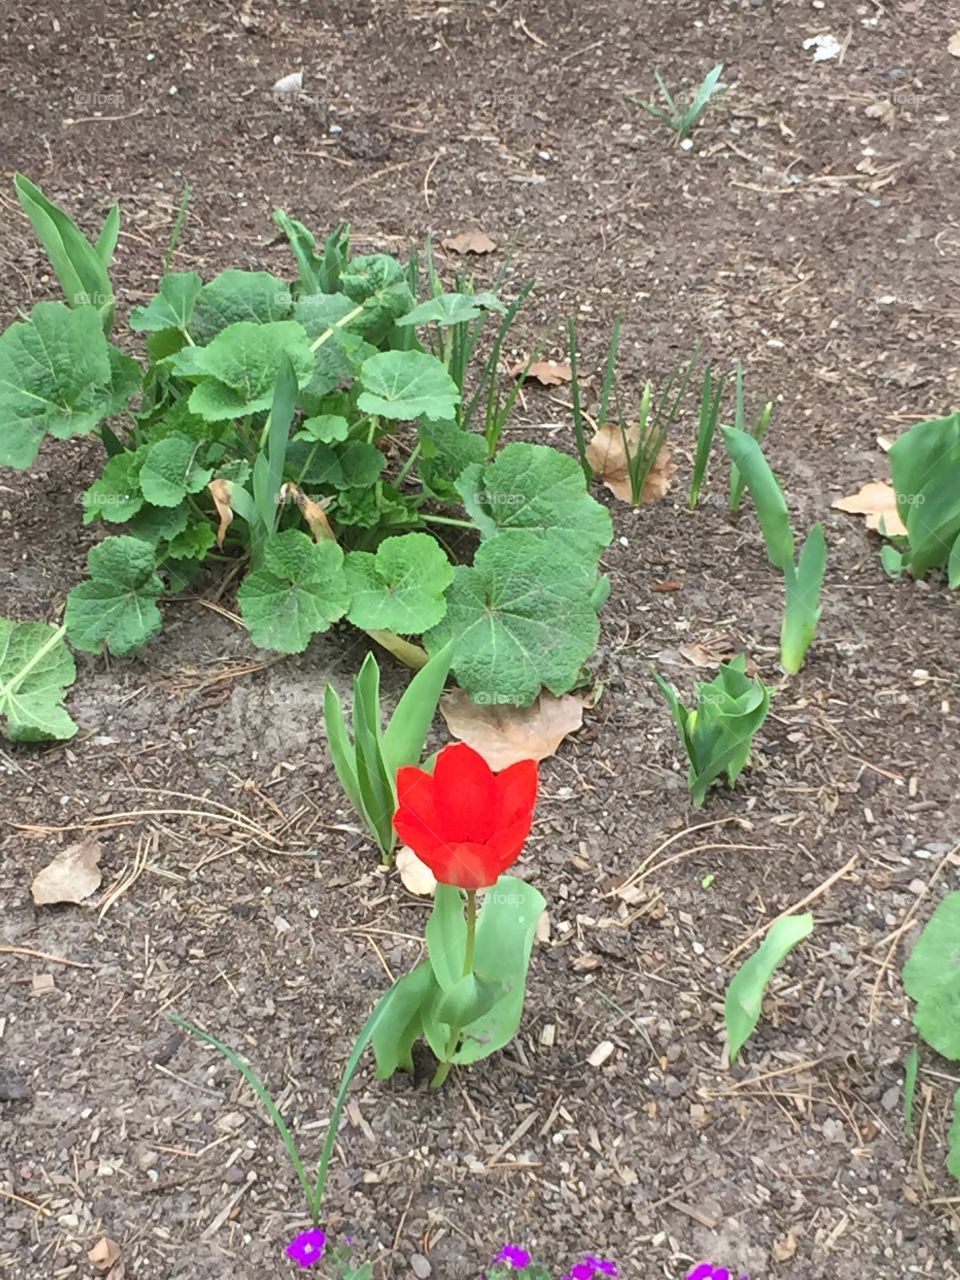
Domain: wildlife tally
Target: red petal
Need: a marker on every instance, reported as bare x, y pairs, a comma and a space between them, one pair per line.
507, 844
416, 821
467, 865
464, 794
516, 793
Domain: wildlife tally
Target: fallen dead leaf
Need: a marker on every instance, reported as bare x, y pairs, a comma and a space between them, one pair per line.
72, 876
415, 876
609, 454
549, 373
315, 513
783, 1250
953, 45
104, 1254
543, 927
470, 242
220, 492
877, 501
714, 651
503, 734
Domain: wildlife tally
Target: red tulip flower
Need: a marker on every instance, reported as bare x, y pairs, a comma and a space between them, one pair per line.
467, 823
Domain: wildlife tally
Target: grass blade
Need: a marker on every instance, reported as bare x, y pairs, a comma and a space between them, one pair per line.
910, 1088
578, 430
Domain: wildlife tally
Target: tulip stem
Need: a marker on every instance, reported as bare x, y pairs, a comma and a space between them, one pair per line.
471, 931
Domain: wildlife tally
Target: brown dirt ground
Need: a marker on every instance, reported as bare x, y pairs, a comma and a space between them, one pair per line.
812, 241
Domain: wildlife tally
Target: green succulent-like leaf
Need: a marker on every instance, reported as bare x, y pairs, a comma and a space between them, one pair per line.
116, 495
233, 296
169, 471
172, 308
117, 607
36, 669
56, 377
521, 616
744, 1000
534, 487
300, 591
452, 308
400, 588
236, 374
406, 385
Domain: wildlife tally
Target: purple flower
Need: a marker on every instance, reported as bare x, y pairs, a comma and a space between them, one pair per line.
602, 1266
514, 1256
704, 1271
308, 1247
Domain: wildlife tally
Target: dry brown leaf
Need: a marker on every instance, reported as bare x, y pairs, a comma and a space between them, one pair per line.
415, 876
315, 513
608, 453
710, 652
72, 876
953, 45
783, 1250
475, 241
549, 373
104, 1253
504, 734
878, 502
220, 492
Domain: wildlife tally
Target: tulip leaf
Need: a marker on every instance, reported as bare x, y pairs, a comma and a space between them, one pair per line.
505, 931
536, 488
447, 936
400, 588
401, 1020
744, 1000
522, 616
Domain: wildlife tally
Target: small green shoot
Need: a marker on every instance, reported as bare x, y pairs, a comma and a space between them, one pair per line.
710, 397
803, 580
744, 1000
707, 881
758, 431
910, 1087
718, 733
683, 119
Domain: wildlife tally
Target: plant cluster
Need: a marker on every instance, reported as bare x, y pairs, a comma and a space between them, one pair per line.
315, 433
925, 470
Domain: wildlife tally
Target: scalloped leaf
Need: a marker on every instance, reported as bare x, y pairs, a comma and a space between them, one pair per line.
36, 669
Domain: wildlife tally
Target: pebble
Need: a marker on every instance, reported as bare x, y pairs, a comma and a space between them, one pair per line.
419, 1265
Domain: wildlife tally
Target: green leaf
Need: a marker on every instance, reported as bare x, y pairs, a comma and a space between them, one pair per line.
299, 591
327, 428
377, 784
169, 471
172, 308
446, 934
55, 376
953, 1139
505, 931
467, 1000
446, 450
116, 496
747, 457
452, 308
910, 1087
80, 267
894, 561
380, 283
407, 385
401, 1025
237, 372
406, 734
36, 669
802, 614
937, 1018
935, 957
521, 617
933, 519
193, 543
118, 606
400, 588
360, 464
534, 487
159, 524
744, 1000
953, 564
234, 296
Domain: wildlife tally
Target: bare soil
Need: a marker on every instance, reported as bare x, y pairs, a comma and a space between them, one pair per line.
818, 244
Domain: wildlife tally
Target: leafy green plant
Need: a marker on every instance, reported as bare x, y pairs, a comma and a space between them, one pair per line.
925, 470
717, 734
744, 999
710, 396
683, 118
931, 978
758, 431
367, 765
300, 430
36, 669
804, 579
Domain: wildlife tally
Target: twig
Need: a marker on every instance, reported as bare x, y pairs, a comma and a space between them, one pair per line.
37, 1208
43, 955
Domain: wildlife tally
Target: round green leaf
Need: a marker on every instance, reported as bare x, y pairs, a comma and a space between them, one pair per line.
935, 957
36, 668
406, 385
116, 496
401, 587
299, 591
170, 471
117, 607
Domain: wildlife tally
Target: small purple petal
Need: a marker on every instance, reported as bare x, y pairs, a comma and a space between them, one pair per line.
704, 1271
308, 1247
602, 1266
514, 1256
582, 1271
